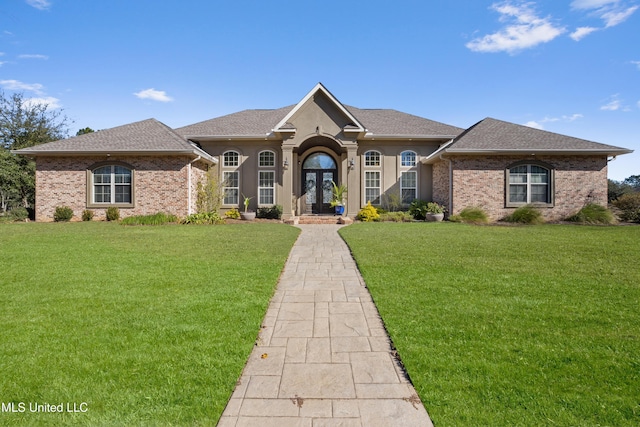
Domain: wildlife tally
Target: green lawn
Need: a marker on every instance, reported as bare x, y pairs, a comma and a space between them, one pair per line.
508, 326
147, 325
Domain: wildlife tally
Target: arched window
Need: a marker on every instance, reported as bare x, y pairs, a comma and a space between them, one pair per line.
372, 177
529, 183
372, 158
408, 178
408, 158
111, 184
231, 178
266, 178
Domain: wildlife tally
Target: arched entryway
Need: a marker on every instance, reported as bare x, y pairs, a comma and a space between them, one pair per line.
318, 171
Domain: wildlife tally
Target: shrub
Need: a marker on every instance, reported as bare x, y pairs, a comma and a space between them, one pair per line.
87, 215
63, 213
204, 218
274, 212
232, 214
526, 214
159, 218
471, 215
113, 213
395, 216
368, 214
593, 214
418, 209
19, 214
629, 205
208, 193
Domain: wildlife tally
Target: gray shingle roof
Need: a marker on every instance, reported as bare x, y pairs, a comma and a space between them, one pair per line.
496, 135
140, 137
262, 122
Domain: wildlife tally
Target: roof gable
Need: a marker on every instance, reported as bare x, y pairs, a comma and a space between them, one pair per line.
354, 125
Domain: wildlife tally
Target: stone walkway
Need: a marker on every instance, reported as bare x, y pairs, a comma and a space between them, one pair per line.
323, 357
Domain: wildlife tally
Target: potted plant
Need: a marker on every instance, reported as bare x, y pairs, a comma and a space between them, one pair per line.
247, 215
338, 197
433, 212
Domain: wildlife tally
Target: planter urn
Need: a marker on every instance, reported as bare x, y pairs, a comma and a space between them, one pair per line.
248, 216
434, 217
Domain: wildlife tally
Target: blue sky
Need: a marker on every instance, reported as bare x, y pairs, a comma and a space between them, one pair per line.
567, 66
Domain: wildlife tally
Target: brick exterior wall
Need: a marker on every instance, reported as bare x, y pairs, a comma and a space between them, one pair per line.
480, 181
440, 183
160, 185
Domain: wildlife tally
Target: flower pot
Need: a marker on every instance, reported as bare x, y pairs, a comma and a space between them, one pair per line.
434, 217
339, 209
248, 216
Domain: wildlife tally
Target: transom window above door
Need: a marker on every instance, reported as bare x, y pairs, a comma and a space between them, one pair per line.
319, 161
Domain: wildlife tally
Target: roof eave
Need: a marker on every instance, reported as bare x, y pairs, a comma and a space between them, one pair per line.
404, 137
200, 138
57, 153
533, 152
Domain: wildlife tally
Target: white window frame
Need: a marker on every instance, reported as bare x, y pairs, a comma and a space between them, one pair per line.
408, 158
267, 164
529, 183
372, 158
113, 169
231, 167
403, 188
270, 190
408, 163
368, 187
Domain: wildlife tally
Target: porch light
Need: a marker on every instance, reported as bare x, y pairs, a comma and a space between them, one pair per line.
352, 164
285, 165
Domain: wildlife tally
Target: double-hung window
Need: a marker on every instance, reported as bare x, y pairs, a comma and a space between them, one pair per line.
111, 184
266, 178
408, 176
231, 178
529, 183
372, 177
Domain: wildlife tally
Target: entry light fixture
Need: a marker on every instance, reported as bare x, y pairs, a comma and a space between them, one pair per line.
352, 164
286, 164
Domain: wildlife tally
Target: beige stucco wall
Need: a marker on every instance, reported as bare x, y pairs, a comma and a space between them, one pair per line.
160, 185
480, 181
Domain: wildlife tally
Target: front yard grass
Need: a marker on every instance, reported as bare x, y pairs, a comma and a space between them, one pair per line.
146, 325
511, 326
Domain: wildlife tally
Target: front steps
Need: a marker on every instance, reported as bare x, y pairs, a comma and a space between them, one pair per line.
318, 219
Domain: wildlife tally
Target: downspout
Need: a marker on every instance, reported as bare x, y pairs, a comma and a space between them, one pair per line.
189, 184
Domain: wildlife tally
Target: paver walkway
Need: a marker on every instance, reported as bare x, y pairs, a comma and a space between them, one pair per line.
323, 357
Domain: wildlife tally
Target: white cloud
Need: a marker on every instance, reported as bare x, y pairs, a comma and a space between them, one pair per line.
39, 4
30, 56
615, 104
636, 63
591, 4
49, 101
539, 124
18, 85
524, 30
534, 125
582, 32
154, 95
617, 16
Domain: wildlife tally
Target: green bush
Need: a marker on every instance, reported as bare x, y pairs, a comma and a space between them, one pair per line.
19, 214
87, 215
629, 205
368, 214
113, 213
159, 218
63, 213
274, 212
526, 214
593, 214
232, 214
471, 215
204, 218
395, 216
418, 209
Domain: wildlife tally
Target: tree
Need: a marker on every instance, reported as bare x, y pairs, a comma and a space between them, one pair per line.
84, 131
24, 124
633, 181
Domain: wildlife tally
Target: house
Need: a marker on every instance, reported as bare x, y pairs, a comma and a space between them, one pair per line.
289, 156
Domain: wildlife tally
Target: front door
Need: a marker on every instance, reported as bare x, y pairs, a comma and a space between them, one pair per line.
318, 171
